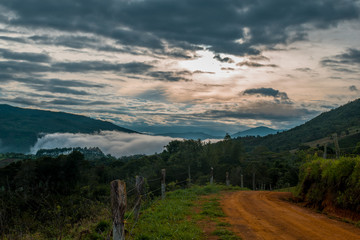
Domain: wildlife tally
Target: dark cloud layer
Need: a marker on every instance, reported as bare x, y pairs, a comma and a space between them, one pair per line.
170, 76
186, 23
348, 61
268, 92
262, 111
31, 57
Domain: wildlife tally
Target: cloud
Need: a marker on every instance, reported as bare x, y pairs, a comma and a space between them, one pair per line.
347, 62
170, 76
26, 56
84, 66
304, 69
229, 26
255, 64
110, 142
262, 110
225, 59
267, 92
353, 88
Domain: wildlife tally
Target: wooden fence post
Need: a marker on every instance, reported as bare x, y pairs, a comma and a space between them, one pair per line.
242, 180
212, 175
139, 189
325, 151
227, 179
118, 207
163, 186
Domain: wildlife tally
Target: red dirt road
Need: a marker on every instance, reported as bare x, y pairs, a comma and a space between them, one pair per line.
264, 215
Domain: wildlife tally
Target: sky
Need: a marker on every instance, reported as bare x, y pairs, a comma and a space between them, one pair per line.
159, 66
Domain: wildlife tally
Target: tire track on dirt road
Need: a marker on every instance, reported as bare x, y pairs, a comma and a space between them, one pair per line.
264, 215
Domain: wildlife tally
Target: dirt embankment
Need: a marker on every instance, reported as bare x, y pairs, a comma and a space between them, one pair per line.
265, 215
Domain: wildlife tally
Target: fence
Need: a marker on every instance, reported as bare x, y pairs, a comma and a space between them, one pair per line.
119, 196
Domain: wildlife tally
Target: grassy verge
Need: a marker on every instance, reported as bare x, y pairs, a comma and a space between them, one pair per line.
213, 214
288, 189
174, 217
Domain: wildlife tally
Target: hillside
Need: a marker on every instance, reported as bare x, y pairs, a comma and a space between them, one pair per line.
20, 128
339, 120
258, 131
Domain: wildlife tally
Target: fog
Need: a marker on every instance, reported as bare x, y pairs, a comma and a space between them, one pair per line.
110, 142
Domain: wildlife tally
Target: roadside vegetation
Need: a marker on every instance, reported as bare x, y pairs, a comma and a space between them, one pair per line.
328, 183
175, 217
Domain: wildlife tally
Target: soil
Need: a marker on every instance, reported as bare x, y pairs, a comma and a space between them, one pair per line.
266, 215
207, 225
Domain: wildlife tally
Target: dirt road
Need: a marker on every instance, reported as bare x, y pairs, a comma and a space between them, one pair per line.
264, 215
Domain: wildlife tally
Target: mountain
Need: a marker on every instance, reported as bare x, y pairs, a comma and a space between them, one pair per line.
20, 128
258, 131
190, 135
344, 120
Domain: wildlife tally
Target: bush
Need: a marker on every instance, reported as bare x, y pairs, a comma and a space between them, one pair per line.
334, 181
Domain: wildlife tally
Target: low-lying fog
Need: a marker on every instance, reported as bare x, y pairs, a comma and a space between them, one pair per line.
110, 142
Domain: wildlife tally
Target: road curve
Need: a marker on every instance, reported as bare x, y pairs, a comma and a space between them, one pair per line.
264, 215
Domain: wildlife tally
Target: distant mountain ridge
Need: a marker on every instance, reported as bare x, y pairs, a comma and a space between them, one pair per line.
340, 120
190, 135
21, 127
258, 131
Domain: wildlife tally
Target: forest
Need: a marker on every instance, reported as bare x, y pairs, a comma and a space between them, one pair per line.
51, 195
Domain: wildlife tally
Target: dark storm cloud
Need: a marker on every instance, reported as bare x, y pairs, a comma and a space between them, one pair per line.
213, 23
345, 62
13, 39
269, 92
225, 59
10, 67
133, 67
262, 111
255, 64
25, 56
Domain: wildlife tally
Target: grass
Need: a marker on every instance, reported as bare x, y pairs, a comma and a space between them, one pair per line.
288, 189
225, 234
174, 218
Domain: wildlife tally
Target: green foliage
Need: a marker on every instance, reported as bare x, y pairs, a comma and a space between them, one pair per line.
335, 181
212, 208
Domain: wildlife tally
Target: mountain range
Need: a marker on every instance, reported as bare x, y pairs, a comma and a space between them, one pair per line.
258, 131
20, 127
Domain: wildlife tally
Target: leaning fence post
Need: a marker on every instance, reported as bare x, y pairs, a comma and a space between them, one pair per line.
212, 175
163, 172
139, 186
118, 207
227, 179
